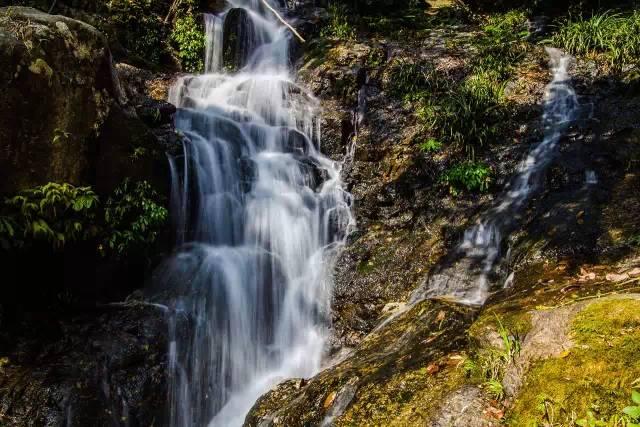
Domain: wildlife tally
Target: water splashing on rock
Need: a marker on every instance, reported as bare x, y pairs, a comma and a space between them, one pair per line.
260, 214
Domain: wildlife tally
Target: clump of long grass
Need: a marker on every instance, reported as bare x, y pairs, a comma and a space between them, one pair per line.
615, 36
468, 115
340, 25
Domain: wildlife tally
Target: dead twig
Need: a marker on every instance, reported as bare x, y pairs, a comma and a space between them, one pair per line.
293, 30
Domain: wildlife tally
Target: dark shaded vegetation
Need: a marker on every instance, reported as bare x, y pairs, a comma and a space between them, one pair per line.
145, 33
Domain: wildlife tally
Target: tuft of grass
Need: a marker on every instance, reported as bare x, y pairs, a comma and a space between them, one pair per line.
413, 81
430, 146
487, 365
468, 116
495, 389
339, 26
615, 37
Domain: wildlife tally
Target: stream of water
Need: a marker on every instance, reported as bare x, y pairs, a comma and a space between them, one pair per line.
260, 215
467, 280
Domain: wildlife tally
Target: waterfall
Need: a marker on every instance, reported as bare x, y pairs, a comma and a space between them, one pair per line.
259, 214
468, 279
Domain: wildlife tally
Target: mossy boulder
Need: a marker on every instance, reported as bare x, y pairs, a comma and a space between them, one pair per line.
64, 116
595, 373
58, 86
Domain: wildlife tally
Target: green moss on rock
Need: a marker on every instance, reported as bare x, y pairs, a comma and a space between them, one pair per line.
595, 375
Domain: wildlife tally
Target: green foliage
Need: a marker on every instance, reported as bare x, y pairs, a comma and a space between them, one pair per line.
413, 81
468, 116
487, 366
615, 36
138, 28
189, 39
502, 44
634, 240
339, 25
430, 146
633, 412
60, 214
630, 417
133, 219
8, 229
510, 342
495, 389
55, 213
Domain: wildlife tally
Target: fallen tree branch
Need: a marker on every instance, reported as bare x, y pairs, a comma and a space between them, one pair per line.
293, 30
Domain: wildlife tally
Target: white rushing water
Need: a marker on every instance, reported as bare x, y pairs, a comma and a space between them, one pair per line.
467, 280
260, 214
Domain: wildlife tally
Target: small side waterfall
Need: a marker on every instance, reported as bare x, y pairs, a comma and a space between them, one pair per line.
468, 279
260, 215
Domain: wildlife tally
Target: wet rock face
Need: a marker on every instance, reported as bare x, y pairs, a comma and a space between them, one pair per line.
391, 379
58, 86
106, 370
237, 36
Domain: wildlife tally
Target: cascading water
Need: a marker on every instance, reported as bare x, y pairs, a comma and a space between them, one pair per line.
260, 215
467, 279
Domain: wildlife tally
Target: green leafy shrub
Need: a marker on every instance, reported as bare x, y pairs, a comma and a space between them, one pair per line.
137, 27
339, 25
615, 36
60, 214
133, 219
189, 39
8, 229
470, 176
55, 213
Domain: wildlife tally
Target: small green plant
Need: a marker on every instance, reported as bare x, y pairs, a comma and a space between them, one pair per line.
133, 219
631, 417
56, 213
469, 175
633, 412
615, 36
430, 146
634, 240
510, 342
60, 136
495, 389
188, 38
8, 229
487, 366
339, 25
